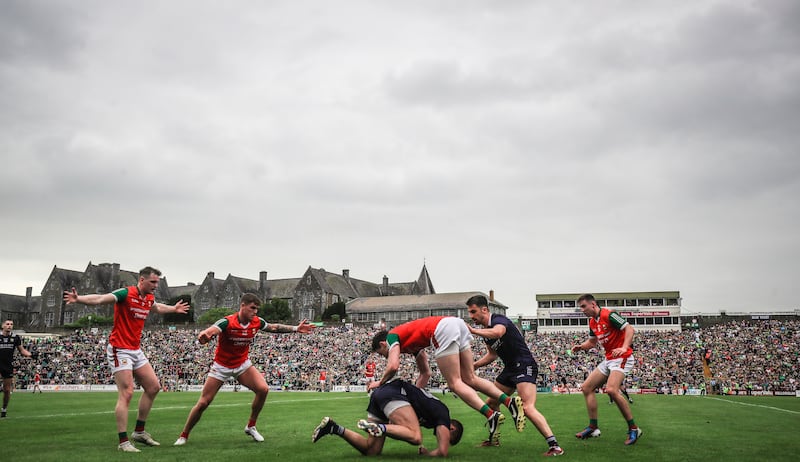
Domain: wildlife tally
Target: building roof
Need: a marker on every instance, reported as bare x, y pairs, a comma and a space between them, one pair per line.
611, 295
189, 290
281, 288
244, 284
12, 304
411, 302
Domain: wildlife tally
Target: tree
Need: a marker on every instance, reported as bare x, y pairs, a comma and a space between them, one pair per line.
214, 314
276, 309
95, 321
335, 309
178, 318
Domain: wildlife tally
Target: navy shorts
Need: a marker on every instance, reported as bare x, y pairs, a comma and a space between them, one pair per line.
525, 373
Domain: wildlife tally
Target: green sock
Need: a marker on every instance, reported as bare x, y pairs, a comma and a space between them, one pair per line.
505, 399
486, 410
631, 424
593, 423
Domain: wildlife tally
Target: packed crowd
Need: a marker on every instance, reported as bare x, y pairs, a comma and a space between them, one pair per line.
759, 355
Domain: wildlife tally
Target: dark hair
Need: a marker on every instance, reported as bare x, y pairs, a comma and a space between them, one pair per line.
455, 435
249, 298
586, 298
147, 271
478, 300
378, 338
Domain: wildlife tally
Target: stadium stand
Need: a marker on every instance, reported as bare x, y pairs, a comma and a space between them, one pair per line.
742, 355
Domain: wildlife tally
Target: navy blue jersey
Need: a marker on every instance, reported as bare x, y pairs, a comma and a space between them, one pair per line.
8, 343
430, 411
511, 347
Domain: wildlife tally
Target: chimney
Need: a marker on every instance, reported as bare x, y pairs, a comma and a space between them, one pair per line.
210, 275
262, 281
28, 293
385, 285
491, 295
113, 282
346, 273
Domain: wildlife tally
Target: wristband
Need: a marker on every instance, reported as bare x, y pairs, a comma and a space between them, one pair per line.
294, 328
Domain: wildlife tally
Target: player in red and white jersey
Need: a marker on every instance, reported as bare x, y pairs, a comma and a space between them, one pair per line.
614, 333
37, 380
450, 339
369, 371
131, 307
235, 334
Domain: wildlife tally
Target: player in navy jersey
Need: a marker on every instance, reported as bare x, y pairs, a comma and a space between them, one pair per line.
505, 341
398, 409
8, 343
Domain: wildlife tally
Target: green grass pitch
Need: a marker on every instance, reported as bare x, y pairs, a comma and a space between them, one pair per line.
80, 426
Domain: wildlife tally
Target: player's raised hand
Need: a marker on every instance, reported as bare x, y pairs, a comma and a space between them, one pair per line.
182, 307
71, 296
305, 327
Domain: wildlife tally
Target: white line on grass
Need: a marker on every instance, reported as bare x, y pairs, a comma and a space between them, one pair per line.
269, 403
755, 405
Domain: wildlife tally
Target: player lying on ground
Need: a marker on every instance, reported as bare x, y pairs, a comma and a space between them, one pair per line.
398, 409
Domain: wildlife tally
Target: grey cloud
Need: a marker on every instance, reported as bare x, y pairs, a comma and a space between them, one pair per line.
35, 32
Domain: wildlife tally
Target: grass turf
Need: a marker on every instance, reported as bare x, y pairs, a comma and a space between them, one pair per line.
80, 426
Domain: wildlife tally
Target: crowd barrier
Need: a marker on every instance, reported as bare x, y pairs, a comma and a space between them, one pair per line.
362, 388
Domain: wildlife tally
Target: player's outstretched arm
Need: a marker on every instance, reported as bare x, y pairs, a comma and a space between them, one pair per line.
304, 327
587, 345
71, 296
206, 336
181, 307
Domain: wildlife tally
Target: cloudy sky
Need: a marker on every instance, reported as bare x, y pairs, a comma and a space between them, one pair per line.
522, 146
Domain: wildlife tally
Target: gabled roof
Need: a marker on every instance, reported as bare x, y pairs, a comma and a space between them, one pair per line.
244, 284
424, 283
281, 288
189, 290
12, 303
402, 288
67, 278
411, 302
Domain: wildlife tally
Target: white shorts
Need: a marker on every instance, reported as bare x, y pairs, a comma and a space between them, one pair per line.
624, 365
222, 373
120, 359
390, 407
450, 337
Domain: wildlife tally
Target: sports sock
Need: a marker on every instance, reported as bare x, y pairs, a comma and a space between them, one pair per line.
551, 441
184, 435
505, 399
123, 437
632, 424
139, 426
593, 423
486, 411
251, 423
337, 429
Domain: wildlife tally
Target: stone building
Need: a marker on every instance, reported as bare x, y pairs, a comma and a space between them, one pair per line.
319, 289
307, 296
386, 312
95, 279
